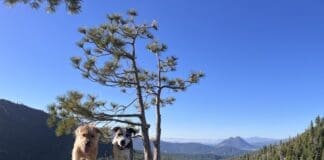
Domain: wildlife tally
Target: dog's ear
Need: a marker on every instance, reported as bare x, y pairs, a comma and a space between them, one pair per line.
132, 131
115, 129
76, 132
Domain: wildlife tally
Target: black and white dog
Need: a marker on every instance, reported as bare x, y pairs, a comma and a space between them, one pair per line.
122, 143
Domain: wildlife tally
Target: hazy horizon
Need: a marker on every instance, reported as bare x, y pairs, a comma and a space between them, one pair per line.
203, 140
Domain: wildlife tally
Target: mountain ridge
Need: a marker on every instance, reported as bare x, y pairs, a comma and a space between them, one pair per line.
24, 134
198, 148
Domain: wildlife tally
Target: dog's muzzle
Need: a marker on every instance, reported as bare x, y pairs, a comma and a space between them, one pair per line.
87, 147
123, 146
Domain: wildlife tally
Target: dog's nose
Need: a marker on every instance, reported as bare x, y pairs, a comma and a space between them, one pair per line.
122, 142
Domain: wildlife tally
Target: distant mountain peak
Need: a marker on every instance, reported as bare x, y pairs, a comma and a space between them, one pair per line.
237, 137
236, 142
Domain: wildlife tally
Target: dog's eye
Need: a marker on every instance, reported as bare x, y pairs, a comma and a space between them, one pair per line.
92, 136
120, 134
84, 135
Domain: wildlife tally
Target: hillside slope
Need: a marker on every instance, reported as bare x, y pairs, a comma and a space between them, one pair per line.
307, 146
24, 135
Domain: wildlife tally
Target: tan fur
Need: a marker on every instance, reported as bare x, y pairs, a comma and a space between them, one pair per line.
86, 143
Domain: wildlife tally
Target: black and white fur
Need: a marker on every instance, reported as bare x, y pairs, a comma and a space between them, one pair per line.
122, 143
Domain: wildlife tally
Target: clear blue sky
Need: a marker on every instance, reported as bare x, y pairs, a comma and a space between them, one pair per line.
264, 61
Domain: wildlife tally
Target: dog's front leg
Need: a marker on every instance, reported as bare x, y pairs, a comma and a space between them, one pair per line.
75, 154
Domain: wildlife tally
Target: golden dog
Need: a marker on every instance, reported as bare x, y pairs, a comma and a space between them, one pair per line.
86, 143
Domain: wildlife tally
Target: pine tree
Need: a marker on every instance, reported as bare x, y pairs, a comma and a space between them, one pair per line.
110, 58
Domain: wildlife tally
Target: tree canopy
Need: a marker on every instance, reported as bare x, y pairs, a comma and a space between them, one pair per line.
73, 6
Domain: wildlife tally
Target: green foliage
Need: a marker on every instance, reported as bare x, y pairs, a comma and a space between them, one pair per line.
71, 110
109, 57
73, 6
307, 146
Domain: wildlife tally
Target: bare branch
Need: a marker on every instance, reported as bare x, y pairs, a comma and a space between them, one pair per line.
104, 115
122, 121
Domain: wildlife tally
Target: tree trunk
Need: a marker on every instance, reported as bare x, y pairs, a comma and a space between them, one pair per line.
157, 154
146, 143
144, 126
